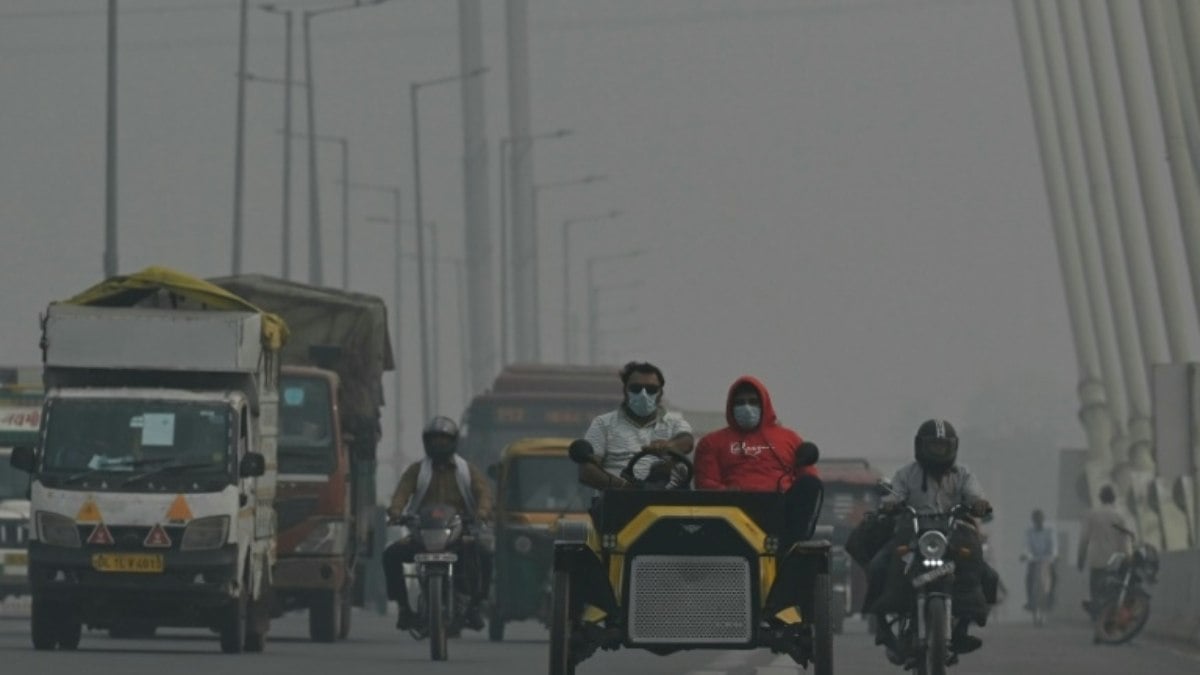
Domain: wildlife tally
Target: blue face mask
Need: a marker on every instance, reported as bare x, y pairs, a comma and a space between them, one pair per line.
747, 416
643, 403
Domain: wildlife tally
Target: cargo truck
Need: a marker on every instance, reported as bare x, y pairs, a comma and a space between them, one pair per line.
20, 417
154, 472
331, 394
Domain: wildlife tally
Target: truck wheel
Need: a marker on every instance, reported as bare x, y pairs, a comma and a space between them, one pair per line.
822, 626
70, 632
258, 618
43, 623
232, 627
347, 612
324, 616
838, 612
560, 626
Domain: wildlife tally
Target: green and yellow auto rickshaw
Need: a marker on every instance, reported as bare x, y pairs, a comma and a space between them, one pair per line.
537, 486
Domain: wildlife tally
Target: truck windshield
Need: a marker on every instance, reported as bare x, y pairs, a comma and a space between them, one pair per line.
545, 484
128, 435
306, 443
13, 483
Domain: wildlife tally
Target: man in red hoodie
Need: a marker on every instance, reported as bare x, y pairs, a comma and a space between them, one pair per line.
756, 453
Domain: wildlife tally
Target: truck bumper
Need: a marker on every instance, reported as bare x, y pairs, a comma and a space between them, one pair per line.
191, 586
309, 573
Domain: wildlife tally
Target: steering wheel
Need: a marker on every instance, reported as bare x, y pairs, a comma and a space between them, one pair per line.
627, 472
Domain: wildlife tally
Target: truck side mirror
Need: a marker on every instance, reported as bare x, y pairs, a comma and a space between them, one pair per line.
23, 459
581, 452
807, 454
253, 465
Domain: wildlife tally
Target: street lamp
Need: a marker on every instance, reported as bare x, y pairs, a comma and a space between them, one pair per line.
505, 256
314, 199
593, 293
566, 267
414, 88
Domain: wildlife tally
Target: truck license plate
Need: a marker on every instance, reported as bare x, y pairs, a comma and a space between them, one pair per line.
16, 559
435, 557
143, 563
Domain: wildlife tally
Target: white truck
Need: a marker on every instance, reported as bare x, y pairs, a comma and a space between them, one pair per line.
154, 473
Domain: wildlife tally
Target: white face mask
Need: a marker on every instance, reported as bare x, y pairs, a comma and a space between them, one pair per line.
747, 416
643, 403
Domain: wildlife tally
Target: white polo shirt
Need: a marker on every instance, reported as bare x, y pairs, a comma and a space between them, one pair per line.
616, 438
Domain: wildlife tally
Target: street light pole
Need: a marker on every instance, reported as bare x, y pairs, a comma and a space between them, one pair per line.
345, 212
566, 268
314, 199
414, 88
110, 148
239, 159
286, 207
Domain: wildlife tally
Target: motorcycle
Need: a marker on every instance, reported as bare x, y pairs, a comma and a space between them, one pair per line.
440, 531
1124, 608
923, 628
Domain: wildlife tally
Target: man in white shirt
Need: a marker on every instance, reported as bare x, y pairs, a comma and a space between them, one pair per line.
1105, 533
1041, 548
640, 423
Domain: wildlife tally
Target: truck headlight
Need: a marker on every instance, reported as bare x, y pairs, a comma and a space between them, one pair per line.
57, 530
328, 537
434, 539
205, 533
932, 545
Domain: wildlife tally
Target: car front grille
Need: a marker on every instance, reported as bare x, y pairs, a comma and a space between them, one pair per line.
690, 600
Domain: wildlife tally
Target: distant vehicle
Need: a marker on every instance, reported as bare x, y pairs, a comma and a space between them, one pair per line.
850, 493
154, 476
331, 393
20, 417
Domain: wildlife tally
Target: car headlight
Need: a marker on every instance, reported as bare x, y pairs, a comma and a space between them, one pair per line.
328, 537
57, 530
932, 545
434, 539
205, 533
522, 544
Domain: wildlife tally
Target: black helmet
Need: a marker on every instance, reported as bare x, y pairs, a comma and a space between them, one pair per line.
936, 445
440, 438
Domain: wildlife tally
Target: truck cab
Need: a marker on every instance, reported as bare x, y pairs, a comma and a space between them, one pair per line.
20, 417
316, 546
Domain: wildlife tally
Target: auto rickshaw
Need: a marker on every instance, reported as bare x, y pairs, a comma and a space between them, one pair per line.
673, 569
536, 487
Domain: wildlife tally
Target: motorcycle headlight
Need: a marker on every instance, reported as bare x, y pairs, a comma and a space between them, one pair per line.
932, 545
205, 533
327, 537
57, 530
434, 539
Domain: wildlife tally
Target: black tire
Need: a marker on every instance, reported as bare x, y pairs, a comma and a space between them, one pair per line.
347, 613
435, 602
938, 629
822, 657
43, 623
232, 628
1137, 601
560, 626
325, 617
70, 632
258, 617
837, 612
495, 625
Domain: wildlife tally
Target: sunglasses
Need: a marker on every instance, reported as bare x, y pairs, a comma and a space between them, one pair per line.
651, 389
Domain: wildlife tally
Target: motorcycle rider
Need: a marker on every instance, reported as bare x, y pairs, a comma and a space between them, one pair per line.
934, 482
1041, 547
640, 423
755, 452
1105, 533
441, 478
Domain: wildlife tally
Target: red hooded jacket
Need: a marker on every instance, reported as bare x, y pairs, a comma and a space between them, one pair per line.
761, 459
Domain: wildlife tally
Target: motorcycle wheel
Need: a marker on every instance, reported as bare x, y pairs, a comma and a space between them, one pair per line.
937, 649
1118, 625
560, 626
438, 629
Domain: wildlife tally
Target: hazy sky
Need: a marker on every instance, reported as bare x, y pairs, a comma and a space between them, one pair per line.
841, 197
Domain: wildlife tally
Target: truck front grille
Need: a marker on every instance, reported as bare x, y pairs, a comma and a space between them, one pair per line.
13, 534
690, 600
292, 512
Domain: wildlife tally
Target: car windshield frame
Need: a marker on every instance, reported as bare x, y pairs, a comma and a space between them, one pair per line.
121, 437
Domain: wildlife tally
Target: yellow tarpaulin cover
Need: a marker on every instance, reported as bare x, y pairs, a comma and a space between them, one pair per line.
140, 288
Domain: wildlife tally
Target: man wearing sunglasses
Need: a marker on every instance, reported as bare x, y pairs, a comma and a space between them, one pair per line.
641, 423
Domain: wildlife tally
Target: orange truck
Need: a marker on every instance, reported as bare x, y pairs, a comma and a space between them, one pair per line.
330, 396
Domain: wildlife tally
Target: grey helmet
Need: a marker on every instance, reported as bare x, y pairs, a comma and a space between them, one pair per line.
440, 438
